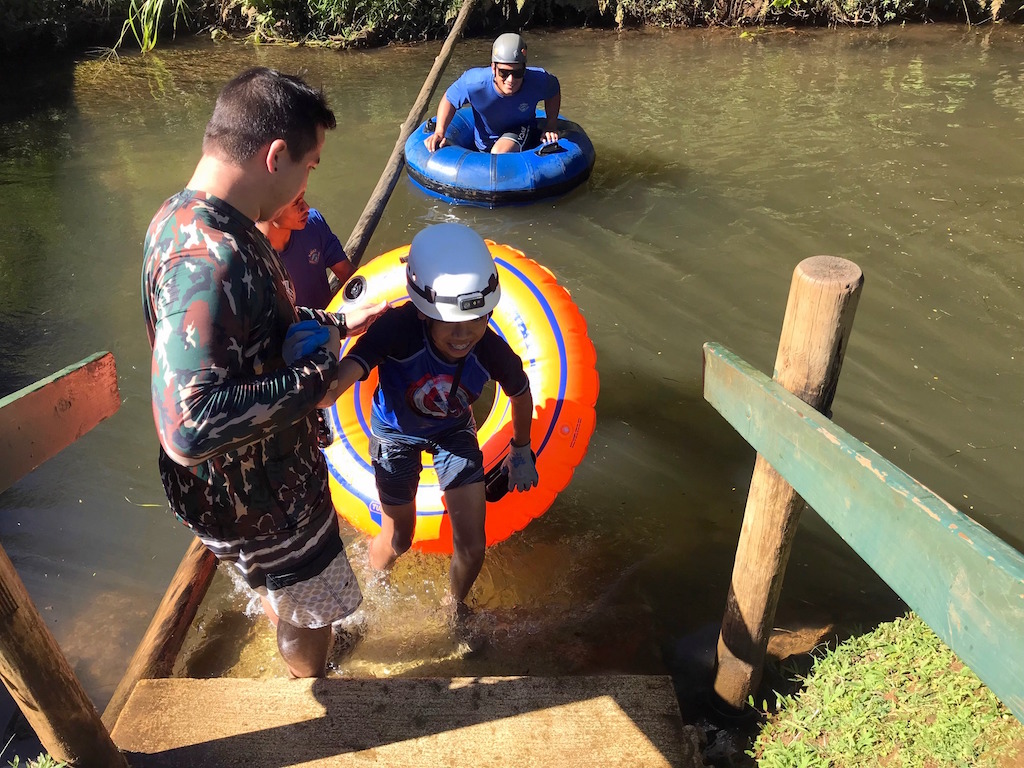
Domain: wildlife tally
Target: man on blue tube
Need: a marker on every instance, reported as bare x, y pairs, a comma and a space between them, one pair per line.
504, 100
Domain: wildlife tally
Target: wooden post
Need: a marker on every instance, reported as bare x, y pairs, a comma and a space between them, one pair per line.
159, 647
819, 316
41, 681
357, 241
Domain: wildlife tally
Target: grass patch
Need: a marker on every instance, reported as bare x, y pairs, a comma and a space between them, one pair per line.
43, 761
896, 698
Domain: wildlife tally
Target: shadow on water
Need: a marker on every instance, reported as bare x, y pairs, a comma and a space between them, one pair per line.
35, 110
34, 143
617, 167
684, 577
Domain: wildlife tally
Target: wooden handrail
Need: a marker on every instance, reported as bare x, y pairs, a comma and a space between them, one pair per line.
960, 578
35, 424
41, 420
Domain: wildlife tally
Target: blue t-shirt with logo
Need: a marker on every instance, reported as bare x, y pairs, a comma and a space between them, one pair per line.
310, 252
494, 113
414, 393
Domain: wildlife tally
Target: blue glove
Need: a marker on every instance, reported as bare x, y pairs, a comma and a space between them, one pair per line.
302, 340
522, 472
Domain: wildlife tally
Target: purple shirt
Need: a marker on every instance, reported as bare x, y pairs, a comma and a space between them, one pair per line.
310, 252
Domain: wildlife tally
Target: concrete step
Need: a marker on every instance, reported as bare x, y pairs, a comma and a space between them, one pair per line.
526, 722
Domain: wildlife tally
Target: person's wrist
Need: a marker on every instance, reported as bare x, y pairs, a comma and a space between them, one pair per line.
514, 444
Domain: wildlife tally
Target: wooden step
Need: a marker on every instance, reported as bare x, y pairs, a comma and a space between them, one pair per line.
526, 722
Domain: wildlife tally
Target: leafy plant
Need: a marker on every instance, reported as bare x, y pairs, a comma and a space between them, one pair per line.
144, 18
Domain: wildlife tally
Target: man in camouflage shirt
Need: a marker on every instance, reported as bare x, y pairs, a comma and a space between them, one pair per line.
233, 399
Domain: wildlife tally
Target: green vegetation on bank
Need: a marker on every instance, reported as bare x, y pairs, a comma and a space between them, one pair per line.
43, 26
897, 697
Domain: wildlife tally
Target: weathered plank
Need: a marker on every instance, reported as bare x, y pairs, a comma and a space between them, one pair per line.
564, 722
36, 423
159, 647
964, 581
39, 421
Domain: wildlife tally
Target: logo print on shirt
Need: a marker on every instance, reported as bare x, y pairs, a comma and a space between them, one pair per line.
429, 397
314, 256
524, 106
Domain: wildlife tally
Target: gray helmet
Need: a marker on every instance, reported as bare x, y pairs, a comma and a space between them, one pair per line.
509, 48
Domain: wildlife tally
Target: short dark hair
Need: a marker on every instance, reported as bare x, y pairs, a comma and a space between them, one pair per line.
261, 105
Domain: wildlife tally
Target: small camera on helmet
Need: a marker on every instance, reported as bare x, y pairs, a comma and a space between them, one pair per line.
471, 301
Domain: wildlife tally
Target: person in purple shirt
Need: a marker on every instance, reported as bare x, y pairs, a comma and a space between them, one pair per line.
308, 248
504, 99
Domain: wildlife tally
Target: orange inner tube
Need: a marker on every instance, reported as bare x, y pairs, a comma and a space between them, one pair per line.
544, 327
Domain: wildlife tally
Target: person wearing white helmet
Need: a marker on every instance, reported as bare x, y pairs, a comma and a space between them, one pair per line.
433, 356
504, 99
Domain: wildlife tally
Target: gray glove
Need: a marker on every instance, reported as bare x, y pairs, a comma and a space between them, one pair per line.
522, 472
302, 340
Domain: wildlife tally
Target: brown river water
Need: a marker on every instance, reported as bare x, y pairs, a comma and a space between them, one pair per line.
722, 161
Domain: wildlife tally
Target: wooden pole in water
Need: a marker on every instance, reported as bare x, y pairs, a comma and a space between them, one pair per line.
367, 223
41, 681
819, 316
159, 647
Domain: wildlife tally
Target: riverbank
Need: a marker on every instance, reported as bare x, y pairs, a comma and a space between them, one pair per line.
42, 27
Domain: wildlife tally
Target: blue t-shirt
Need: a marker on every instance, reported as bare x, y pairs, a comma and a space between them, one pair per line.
494, 113
310, 252
414, 390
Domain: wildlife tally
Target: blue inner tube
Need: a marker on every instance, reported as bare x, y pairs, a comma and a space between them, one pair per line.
459, 173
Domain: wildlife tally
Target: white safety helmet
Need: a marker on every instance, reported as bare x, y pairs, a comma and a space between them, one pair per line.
451, 274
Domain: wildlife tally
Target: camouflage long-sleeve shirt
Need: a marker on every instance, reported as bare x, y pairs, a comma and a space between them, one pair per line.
237, 427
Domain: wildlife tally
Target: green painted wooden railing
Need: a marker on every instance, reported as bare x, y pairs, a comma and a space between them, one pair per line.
965, 582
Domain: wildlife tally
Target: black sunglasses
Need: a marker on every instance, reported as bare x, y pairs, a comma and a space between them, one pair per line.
517, 74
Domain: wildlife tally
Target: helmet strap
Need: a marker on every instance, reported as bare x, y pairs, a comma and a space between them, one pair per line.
464, 301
